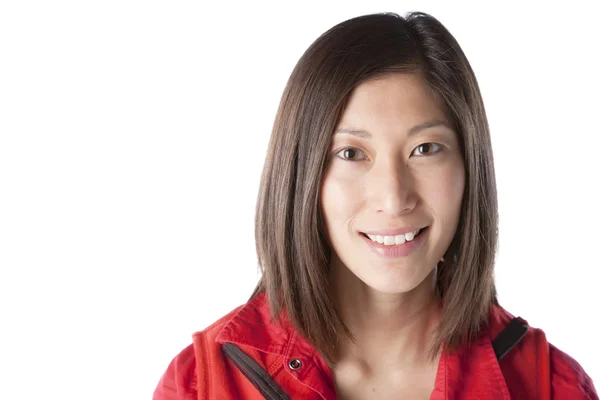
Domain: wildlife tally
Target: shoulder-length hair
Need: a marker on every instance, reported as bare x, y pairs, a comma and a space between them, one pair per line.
293, 250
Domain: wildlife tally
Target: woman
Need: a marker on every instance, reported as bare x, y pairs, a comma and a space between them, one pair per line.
376, 232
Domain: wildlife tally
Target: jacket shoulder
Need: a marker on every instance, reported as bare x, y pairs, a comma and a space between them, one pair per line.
180, 380
537, 369
569, 380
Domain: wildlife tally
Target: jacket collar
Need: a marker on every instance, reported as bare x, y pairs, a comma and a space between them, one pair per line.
472, 371
252, 326
474, 367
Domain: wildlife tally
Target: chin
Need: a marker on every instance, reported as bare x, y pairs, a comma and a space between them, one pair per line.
392, 286
393, 280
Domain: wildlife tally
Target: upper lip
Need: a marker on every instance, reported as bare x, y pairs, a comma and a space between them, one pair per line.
393, 231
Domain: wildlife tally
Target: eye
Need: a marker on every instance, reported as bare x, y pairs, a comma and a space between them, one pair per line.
427, 149
351, 154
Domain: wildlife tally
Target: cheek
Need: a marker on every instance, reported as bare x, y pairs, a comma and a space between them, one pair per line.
340, 199
446, 192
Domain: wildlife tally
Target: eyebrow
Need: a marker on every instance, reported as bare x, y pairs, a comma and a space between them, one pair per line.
413, 131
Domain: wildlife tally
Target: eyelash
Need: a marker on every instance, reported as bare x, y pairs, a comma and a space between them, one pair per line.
356, 149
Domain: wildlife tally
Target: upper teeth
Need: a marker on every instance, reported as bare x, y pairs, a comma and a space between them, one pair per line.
393, 240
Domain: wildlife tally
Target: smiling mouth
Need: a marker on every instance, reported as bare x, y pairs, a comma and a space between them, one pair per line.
394, 240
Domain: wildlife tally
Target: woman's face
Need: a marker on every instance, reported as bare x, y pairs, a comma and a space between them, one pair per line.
395, 167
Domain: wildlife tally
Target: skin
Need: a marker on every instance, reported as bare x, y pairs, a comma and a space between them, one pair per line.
390, 179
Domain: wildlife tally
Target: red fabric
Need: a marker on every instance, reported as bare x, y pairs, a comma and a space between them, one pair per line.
534, 369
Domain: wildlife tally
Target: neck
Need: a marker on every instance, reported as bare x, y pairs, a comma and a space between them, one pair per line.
389, 329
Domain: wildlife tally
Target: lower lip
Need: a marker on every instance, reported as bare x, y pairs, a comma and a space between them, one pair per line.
398, 250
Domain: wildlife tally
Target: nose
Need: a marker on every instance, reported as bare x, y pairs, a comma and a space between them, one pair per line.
391, 189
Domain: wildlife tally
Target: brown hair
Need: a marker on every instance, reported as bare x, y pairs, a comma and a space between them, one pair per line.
293, 250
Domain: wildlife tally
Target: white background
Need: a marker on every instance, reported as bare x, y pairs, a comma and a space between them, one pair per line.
132, 139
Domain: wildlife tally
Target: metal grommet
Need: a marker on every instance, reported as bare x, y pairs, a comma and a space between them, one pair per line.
295, 364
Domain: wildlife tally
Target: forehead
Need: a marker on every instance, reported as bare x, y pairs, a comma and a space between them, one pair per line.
401, 100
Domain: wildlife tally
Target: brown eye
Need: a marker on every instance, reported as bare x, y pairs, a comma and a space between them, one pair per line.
351, 154
427, 149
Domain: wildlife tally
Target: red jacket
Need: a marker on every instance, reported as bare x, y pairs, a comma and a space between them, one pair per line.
245, 356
